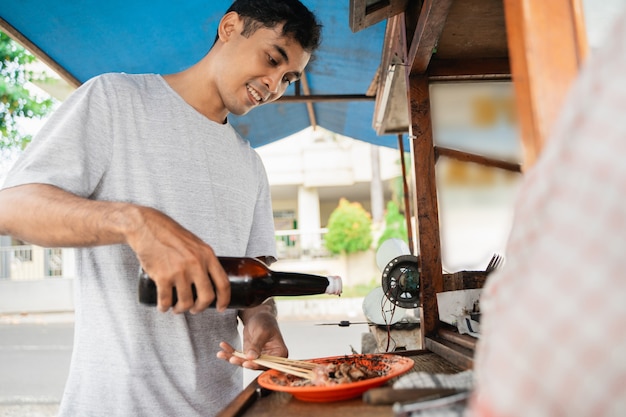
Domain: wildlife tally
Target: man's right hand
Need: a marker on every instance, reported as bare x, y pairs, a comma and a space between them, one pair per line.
48, 216
174, 257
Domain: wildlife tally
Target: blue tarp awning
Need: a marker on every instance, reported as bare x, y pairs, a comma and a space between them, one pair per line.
86, 38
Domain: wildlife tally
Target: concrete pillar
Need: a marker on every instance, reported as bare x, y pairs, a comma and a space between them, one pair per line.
69, 262
5, 257
309, 219
46, 262
377, 197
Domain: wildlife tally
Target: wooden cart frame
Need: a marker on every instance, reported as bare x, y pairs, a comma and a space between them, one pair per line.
538, 45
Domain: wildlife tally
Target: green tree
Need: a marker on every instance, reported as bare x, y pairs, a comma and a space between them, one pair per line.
349, 228
16, 101
397, 185
395, 224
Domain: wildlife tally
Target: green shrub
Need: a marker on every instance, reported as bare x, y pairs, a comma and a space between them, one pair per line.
349, 228
395, 224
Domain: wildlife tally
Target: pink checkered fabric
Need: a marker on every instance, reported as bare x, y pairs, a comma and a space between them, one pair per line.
553, 332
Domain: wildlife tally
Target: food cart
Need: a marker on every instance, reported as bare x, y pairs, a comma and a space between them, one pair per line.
538, 45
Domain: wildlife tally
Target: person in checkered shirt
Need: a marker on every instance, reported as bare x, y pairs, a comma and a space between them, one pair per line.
553, 331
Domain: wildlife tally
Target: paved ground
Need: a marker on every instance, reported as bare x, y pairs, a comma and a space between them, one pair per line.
35, 350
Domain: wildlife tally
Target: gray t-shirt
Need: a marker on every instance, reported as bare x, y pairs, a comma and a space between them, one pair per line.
131, 138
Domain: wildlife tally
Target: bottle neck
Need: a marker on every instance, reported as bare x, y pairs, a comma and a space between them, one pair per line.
294, 283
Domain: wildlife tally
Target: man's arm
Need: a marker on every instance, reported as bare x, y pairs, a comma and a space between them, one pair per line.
173, 256
48, 216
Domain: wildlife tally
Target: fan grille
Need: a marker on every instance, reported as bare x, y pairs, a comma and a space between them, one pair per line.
401, 281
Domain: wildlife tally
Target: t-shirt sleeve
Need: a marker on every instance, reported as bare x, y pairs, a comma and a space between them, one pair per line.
72, 150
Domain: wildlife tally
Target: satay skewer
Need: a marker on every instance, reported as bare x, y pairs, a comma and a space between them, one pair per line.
302, 369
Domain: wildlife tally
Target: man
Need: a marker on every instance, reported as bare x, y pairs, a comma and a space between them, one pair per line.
145, 171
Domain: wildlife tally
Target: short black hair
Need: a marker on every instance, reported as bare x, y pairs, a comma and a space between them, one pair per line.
299, 22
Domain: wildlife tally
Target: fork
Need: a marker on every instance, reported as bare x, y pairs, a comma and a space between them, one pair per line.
494, 263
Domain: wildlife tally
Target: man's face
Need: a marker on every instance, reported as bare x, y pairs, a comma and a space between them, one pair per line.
258, 69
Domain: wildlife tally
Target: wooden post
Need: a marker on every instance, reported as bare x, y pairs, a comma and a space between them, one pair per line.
547, 44
431, 277
407, 204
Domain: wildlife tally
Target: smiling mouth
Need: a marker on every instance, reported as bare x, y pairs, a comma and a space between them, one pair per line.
254, 94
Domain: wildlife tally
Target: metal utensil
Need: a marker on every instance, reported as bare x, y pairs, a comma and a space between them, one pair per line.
494, 263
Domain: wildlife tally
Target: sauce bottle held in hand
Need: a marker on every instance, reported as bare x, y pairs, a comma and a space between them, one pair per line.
252, 282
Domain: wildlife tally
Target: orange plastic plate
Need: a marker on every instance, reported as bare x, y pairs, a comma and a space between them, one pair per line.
389, 366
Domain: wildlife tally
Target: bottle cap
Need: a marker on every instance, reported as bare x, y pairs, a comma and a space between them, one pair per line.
334, 285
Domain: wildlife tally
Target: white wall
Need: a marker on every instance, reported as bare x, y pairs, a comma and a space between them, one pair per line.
37, 296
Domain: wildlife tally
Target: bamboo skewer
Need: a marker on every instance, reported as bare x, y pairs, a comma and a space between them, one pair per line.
302, 369
294, 362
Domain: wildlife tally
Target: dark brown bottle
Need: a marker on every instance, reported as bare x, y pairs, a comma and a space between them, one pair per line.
252, 282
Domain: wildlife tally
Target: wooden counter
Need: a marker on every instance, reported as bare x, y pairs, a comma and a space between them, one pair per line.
258, 402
